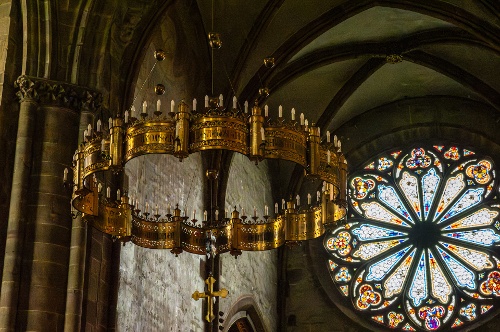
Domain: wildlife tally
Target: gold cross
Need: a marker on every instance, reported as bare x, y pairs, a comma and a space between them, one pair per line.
209, 295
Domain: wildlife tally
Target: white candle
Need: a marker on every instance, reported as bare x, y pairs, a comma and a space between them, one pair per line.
276, 208
147, 207
108, 192
306, 123
194, 104
246, 106
262, 133
118, 194
168, 208
194, 214
89, 130
156, 210
225, 213
328, 156
335, 140
318, 195
144, 107
99, 124
280, 111
301, 119
235, 101
85, 135
126, 116
132, 109
103, 145
340, 145
110, 123
242, 211
221, 100
206, 101
205, 215
282, 203
266, 111
328, 136
99, 187
293, 114
266, 210
216, 214
172, 106
158, 105
298, 200
65, 177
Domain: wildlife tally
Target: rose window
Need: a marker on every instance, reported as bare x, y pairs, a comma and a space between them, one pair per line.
420, 248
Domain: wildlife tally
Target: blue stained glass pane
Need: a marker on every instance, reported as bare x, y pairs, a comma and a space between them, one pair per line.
463, 276
484, 237
370, 232
418, 288
469, 199
430, 183
391, 199
380, 269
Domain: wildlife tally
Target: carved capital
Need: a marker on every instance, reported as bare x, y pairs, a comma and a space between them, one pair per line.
62, 94
26, 88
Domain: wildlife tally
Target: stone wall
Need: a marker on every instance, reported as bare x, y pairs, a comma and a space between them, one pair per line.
155, 287
253, 274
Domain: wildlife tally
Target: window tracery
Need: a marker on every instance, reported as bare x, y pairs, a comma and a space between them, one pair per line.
421, 248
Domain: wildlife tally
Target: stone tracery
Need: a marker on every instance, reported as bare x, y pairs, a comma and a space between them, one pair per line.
422, 239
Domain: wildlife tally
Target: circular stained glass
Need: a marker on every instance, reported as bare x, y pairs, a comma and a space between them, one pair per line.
420, 249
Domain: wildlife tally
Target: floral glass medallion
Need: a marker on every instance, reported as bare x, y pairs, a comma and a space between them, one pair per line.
420, 251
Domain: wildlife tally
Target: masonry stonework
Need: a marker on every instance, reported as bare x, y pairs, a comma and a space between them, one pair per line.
253, 274
155, 287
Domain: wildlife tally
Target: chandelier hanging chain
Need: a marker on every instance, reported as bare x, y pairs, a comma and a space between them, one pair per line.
143, 83
212, 49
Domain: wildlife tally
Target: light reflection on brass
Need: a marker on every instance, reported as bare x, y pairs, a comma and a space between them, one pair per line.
269, 62
214, 40
213, 128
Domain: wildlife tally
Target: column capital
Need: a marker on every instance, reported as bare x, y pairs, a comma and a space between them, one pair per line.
48, 92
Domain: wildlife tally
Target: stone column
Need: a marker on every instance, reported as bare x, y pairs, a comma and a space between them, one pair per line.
41, 300
77, 254
18, 201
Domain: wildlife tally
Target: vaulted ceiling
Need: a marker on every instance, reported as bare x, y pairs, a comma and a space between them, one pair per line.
331, 64
330, 60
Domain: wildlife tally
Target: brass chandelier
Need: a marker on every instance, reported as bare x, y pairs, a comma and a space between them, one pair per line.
183, 131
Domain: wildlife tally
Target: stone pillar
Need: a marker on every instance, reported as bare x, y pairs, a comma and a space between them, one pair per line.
18, 201
77, 255
41, 296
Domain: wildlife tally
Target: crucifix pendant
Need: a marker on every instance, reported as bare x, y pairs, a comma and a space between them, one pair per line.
209, 294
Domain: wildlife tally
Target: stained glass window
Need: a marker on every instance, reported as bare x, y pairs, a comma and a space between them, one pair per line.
420, 249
